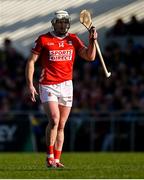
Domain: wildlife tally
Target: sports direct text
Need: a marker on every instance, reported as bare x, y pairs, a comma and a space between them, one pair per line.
60, 55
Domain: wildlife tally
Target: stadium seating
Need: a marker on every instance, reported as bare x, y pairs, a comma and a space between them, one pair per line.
22, 21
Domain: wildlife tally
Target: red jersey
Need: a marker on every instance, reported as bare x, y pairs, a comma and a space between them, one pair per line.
57, 57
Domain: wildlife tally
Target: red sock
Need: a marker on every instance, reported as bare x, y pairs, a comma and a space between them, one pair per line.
57, 155
50, 151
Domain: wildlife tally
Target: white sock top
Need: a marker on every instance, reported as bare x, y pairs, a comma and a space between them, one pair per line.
50, 155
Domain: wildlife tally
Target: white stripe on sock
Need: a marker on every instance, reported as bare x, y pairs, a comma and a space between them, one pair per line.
50, 155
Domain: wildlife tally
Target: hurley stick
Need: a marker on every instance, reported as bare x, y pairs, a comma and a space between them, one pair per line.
85, 19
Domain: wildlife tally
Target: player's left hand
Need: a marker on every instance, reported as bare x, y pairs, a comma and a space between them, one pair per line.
92, 33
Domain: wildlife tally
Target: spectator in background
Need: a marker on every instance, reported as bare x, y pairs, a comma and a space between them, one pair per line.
119, 29
12, 65
134, 27
12, 57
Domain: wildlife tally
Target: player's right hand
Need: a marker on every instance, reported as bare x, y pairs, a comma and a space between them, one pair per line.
33, 93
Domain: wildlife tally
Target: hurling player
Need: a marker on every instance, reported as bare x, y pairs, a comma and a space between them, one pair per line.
56, 51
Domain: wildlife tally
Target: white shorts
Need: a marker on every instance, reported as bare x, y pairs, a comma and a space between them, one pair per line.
61, 93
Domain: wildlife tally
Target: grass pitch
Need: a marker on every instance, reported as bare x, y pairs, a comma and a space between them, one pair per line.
77, 165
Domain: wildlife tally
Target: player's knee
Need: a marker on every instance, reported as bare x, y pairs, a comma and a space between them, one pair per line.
61, 127
54, 122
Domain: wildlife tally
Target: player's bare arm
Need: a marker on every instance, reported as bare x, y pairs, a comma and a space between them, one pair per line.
89, 53
29, 76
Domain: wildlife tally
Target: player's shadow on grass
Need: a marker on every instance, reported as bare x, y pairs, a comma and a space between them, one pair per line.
36, 169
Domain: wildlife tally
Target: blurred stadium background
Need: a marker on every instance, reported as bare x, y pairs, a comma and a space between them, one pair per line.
107, 114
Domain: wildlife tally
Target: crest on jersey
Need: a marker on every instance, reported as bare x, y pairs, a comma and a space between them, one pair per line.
70, 42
